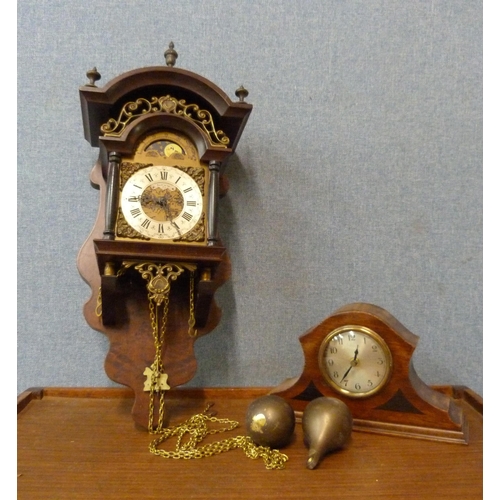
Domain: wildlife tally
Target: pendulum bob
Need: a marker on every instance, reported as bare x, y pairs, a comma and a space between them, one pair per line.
270, 421
327, 425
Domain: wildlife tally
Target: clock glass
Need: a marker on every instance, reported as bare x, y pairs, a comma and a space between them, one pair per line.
355, 361
161, 202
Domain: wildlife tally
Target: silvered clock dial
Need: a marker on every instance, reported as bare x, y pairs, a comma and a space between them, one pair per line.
161, 202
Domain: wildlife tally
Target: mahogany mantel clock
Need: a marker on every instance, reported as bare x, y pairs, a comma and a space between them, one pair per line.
154, 258
362, 355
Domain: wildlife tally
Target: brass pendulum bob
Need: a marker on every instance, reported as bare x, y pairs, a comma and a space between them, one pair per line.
327, 425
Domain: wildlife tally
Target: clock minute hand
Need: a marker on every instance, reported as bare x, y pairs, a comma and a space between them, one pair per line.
346, 373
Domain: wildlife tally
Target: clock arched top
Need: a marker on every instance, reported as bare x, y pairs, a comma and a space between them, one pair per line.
177, 93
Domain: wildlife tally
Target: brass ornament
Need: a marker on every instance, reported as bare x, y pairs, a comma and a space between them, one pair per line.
93, 75
170, 55
159, 276
161, 381
165, 104
98, 306
241, 93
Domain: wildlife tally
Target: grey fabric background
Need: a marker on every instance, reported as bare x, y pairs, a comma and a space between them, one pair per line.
358, 177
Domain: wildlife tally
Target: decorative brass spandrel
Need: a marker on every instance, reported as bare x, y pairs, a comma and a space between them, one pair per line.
166, 104
128, 168
197, 234
123, 230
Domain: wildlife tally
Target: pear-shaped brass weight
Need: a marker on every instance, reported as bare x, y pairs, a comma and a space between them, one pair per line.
327, 426
270, 421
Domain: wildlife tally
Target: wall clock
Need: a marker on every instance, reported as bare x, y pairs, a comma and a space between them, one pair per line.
154, 258
362, 355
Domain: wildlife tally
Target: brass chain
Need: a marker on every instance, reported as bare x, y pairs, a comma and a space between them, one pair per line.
157, 366
159, 277
158, 286
195, 429
192, 320
98, 306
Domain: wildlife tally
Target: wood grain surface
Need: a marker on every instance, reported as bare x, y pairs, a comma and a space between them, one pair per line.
82, 444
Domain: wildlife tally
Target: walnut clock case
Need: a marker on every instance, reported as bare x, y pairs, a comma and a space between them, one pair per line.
154, 258
362, 355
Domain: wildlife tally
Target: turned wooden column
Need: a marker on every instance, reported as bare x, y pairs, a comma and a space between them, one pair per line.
213, 202
111, 208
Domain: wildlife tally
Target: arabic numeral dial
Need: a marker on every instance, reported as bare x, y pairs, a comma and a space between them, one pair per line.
355, 361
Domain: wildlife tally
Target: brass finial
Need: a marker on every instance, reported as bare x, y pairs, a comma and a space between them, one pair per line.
241, 93
170, 55
93, 75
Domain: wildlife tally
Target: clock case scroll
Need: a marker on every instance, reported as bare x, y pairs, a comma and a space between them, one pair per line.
198, 110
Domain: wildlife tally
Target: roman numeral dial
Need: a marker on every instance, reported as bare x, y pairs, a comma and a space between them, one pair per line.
161, 202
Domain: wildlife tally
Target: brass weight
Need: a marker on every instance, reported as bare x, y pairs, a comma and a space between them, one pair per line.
327, 426
270, 421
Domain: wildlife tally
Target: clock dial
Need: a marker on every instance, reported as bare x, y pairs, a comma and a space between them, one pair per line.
355, 361
161, 202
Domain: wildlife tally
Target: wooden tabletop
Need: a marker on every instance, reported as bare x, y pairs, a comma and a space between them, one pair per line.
82, 444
